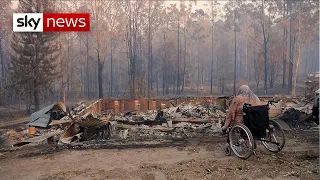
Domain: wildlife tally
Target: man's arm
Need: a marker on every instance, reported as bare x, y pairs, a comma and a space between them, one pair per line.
231, 113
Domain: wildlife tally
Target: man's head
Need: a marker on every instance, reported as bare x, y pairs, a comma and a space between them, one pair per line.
245, 91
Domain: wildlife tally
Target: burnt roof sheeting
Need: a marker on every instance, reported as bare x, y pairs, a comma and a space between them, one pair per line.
41, 118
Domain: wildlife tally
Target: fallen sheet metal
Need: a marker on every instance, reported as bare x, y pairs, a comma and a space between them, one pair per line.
43, 117
69, 133
88, 127
90, 119
56, 122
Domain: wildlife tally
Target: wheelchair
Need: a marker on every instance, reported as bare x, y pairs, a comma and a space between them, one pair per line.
257, 126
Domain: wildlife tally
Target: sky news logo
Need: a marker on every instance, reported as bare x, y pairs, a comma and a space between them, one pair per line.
47, 22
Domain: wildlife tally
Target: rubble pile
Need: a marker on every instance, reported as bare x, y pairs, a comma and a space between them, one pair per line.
169, 123
181, 111
136, 116
177, 131
57, 124
78, 125
298, 114
197, 111
304, 106
76, 111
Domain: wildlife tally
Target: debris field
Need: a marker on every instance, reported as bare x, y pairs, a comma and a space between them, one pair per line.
191, 132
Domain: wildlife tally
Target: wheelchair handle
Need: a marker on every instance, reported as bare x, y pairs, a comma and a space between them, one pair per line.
247, 105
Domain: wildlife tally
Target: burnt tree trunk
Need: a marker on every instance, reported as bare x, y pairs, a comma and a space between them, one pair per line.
36, 95
184, 61
211, 74
235, 54
111, 68
164, 68
100, 84
2, 66
291, 49
295, 75
178, 67
198, 61
87, 69
62, 85
285, 38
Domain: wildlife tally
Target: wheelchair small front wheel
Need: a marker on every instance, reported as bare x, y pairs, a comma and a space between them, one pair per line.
275, 139
227, 150
241, 141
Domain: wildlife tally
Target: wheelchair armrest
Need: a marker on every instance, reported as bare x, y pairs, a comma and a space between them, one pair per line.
246, 104
271, 102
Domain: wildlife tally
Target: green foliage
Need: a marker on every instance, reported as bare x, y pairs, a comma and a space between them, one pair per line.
33, 57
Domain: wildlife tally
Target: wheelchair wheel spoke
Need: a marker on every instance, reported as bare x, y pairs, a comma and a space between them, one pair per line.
275, 137
241, 141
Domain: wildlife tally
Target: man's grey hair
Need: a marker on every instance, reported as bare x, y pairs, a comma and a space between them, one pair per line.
245, 91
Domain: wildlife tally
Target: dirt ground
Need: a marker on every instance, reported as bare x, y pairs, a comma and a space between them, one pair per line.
200, 158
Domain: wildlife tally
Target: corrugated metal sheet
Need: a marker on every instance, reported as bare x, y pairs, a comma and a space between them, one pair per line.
41, 118
91, 122
41, 121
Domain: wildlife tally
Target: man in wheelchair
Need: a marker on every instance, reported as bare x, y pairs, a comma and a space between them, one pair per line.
247, 120
235, 113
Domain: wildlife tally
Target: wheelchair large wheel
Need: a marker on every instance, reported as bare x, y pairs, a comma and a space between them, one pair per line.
274, 134
241, 141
